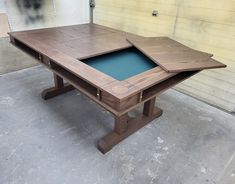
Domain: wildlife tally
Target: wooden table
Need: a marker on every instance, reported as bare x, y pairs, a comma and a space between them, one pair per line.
117, 70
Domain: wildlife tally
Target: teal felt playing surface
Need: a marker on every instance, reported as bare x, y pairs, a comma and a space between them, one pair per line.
121, 64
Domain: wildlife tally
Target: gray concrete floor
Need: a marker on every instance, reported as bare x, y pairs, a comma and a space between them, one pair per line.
53, 142
13, 59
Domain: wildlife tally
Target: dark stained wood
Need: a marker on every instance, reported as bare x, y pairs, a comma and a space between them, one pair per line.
173, 56
75, 66
120, 89
134, 124
53, 91
105, 83
84, 87
149, 107
129, 102
60, 49
86, 90
59, 83
159, 88
109, 100
80, 41
121, 123
58, 89
118, 105
149, 78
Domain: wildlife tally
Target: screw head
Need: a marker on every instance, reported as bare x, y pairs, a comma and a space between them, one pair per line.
155, 13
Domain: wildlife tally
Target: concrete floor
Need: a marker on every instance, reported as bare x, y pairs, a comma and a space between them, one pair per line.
53, 142
13, 59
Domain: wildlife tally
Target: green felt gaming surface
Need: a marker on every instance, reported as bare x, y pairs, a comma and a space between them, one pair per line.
121, 64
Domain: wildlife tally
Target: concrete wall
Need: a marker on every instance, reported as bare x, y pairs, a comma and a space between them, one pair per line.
4, 26
205, 25
48, 13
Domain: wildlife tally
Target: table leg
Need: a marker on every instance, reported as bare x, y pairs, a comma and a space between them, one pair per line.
58, 89
125, 126
121, 123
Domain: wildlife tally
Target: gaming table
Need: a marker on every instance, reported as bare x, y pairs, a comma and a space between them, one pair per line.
117, 70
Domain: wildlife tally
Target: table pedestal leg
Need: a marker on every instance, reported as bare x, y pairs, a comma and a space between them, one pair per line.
58, 89
125, 126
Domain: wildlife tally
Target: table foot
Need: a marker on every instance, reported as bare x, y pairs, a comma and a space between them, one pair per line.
54, 91
133, 124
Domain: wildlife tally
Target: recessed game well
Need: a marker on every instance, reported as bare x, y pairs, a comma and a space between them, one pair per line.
121, 64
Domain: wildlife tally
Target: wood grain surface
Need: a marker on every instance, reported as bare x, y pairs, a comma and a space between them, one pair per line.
173, 56
60, 49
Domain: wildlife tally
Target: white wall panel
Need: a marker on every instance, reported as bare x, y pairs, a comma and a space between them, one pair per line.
50, 13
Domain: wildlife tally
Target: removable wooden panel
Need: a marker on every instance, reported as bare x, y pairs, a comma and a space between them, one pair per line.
78, 41
173, 56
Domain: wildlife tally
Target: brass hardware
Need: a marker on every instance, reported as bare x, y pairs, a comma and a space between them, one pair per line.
141, 96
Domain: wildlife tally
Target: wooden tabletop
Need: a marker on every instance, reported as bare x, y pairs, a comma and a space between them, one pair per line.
173, 56
67, 45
